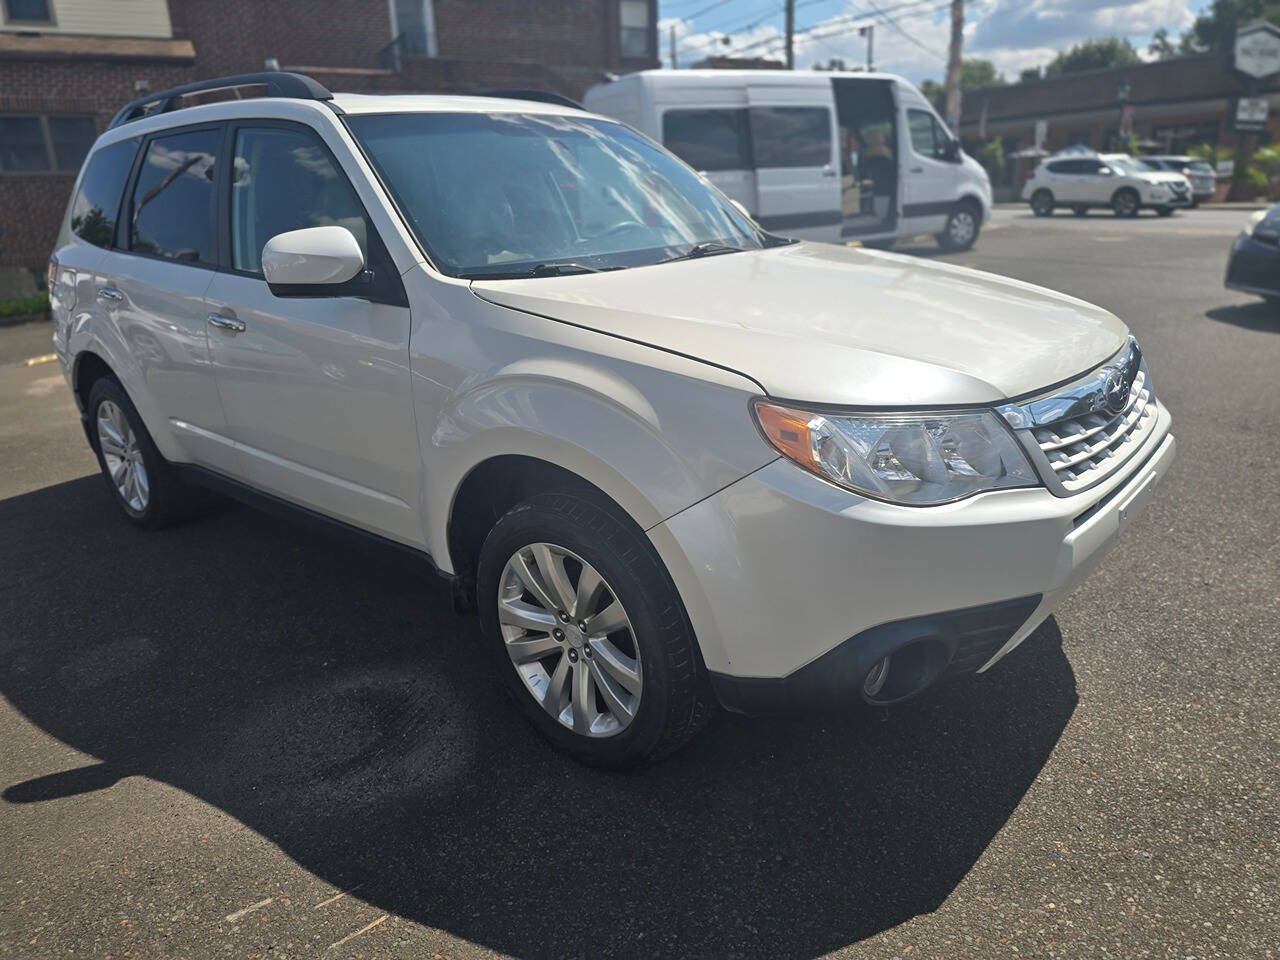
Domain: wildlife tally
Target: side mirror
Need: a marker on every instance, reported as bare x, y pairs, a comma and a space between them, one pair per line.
951, 152
1105, 171
311, 262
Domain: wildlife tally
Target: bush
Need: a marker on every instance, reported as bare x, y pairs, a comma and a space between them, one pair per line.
991, 156
24, 306
1266, 167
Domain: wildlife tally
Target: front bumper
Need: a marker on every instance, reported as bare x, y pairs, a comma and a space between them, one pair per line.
780, 569
1253, 266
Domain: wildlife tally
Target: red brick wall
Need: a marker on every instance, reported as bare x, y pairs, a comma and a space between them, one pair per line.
563, 45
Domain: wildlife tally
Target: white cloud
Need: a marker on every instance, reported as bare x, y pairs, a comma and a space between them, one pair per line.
1013, 34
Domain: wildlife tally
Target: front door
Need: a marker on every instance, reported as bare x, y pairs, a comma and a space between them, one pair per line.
793, 139
930, 184
316, 389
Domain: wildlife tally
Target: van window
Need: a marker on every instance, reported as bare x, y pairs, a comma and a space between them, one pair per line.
791, 136
708, 139
97, 202
172, 211
284, 180
928, 138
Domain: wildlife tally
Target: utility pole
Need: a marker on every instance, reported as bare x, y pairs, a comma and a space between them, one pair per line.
791, 34
674, 65
869, 31
955, 62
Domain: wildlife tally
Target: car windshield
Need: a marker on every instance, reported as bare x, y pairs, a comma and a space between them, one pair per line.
1129, 165
527, 195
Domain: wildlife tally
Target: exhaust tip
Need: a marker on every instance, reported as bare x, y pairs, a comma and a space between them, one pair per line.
905, 672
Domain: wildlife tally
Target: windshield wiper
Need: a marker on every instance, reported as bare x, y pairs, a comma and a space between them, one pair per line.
709, 248
552, 268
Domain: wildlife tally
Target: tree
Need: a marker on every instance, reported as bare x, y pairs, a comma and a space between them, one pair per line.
1093, 55
1029, 74
1161, 47
975, 73
1218, 24
835, 63
935, 94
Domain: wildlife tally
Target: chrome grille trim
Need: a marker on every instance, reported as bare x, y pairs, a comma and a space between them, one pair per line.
1082, 433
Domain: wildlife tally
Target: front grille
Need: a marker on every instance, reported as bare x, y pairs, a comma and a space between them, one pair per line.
1083, 450
1180, 187
1082, 433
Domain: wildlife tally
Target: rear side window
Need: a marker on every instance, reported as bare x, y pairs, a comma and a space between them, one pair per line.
1090, 167
708, 139
94, 209
1064, 166
284, 180
172, 210
791, 136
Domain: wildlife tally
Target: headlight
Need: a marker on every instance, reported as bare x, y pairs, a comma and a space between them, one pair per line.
918, 459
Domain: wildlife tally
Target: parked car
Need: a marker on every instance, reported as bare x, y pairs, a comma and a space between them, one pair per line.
1199, 172
672, 459
814, 154
1081, 182
1253, 265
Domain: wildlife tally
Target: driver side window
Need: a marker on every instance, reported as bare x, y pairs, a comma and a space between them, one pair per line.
283, 179
928, 138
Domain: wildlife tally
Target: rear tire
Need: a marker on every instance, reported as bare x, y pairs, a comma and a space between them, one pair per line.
140, 479
644, 690
1164, 211
1125, 202
964, 223
1042, 203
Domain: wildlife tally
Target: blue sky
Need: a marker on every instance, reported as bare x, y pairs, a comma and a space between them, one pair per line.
1012, 33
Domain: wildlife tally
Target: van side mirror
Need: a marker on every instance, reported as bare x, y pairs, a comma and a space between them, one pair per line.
951, 152
312, 262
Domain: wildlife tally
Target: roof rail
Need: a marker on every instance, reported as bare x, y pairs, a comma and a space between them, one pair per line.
540, 96
277, 82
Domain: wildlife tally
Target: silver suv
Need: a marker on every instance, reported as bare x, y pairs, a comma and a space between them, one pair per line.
673, 461
1115, 181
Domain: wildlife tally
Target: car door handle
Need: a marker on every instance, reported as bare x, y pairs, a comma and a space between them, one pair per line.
110, 293
226, 323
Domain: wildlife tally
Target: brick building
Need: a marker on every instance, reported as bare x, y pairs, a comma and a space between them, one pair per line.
1169, 105
67, 65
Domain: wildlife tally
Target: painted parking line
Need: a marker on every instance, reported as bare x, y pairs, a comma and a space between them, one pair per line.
365, 929
233, 917
43, 358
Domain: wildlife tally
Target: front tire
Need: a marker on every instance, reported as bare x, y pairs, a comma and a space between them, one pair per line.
1164, 211
1125, 203
961, 232
588, 631
1042, 203
141, 480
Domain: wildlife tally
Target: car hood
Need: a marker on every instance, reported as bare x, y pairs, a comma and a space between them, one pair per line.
839, 325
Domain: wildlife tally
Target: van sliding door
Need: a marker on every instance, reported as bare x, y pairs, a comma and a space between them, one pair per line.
797, 166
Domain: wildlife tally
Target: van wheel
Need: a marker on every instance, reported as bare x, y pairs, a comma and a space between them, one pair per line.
1042, 203
142, 481
1125, 203
588, 631
961, 231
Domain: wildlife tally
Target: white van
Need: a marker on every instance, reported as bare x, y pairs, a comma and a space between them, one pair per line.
819, 155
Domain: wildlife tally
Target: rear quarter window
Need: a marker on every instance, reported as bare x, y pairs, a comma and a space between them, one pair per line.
97, 203
708, 139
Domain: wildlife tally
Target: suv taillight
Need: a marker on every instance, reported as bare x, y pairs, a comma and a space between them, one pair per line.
52, 276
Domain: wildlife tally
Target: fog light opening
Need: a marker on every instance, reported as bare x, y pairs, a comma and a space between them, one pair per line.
905, 672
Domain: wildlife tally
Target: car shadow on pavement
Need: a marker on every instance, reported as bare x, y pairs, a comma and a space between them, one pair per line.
328, 699
1259, 315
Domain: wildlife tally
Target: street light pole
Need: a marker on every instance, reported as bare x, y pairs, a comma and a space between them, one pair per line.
674, 65
791, 34
869, 32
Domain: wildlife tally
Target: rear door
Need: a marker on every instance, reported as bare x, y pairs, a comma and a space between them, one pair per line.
793, 141
1095, 187
152, 289
715, 141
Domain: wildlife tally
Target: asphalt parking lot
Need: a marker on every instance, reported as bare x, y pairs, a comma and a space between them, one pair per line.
236, 738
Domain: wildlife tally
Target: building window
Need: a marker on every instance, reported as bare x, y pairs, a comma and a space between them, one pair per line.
35, 144
28, 11
415, 27
634, 18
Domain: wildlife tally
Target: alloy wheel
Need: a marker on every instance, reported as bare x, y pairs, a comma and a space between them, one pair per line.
123, 456
961, 228
570, 640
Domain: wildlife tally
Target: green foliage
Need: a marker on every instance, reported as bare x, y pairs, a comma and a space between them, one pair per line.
1266, 164
1217, 25
23, 306
1161, 47
935, 94
991, 156
975, 73
1093, 55
1030, 73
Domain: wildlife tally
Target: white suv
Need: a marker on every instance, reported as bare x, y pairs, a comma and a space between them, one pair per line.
1113, 180
672, 460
